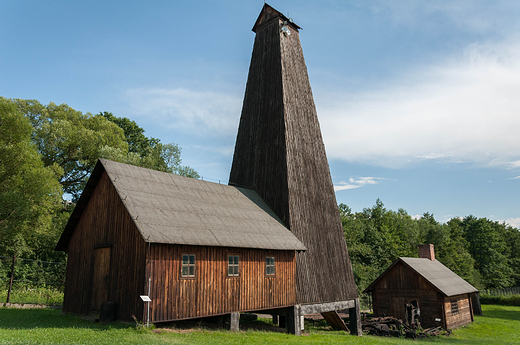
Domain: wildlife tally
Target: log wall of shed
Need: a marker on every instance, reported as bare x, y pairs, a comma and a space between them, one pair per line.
463, 315
106, 223
402, 285
211, 291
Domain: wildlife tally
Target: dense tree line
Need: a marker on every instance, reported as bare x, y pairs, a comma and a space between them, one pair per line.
47, 153
484, 252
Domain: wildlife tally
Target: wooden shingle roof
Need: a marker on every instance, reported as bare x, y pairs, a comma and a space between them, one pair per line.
439, 276
173, 209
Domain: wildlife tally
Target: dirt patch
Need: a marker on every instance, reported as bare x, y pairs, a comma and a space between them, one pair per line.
172, 330
30, 306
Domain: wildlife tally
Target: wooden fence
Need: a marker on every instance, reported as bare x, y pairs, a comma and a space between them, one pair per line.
502, 292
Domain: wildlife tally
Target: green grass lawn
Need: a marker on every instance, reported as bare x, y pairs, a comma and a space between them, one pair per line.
499, 325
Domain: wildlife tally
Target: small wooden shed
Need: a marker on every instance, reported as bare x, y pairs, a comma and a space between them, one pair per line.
444, 298
196, 248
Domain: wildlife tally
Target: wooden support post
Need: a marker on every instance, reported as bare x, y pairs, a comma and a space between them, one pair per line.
107, 313
11, 281
282, 321
355, 320
475, 303
275, 319
221, 321
294, 325
234, 322
334, 320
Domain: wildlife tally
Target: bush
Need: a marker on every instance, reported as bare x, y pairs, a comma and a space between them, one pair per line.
500, 300
29, 294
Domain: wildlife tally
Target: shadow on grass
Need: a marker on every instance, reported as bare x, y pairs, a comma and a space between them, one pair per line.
18, 318
501, 312
214, 325
15, 318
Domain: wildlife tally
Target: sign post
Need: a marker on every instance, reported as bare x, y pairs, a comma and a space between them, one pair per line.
147, 299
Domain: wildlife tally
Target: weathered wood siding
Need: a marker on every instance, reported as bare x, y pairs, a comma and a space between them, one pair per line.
402, 285
280, 154
211, 291
463, 314
105, 223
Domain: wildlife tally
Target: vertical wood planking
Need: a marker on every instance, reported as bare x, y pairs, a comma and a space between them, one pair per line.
105, 222
212, 292
279, 153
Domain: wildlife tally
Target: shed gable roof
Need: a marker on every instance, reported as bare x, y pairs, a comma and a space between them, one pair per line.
173, 209
439, 276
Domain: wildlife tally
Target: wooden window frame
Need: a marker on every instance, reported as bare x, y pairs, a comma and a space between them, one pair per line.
454, 303
236, 266
188, 266
270, 267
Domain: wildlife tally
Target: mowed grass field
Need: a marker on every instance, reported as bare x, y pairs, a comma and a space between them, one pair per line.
499, 325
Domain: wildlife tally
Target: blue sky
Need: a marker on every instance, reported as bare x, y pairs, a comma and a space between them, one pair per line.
418, 101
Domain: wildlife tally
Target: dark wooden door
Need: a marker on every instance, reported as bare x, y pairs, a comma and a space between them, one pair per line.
398, 307
100, 277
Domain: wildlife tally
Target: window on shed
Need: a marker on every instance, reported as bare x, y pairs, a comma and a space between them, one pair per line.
188, 265
454, 307
269, 266
233, 266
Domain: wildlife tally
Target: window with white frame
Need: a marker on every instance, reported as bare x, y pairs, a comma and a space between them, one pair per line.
233, 266
269, 266
188, 265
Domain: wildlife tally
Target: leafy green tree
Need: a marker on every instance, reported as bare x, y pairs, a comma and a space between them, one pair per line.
144, 151
483, 252
513, 242
363, 255
489, 249
29, 192
137, 141
451, 248
376, 237
69, 141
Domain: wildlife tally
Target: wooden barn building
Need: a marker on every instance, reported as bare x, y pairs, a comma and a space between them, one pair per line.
196, 248
444, 298
272, 240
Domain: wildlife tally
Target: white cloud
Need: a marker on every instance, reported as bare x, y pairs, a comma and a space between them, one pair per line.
200, 113
514, 178
481, 17
220, 150
514, 222
464, 110
356, 183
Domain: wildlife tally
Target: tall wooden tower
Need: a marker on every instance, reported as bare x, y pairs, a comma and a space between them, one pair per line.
280, 154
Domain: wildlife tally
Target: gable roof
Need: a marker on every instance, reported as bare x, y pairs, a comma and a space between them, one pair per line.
173, 209
439, 276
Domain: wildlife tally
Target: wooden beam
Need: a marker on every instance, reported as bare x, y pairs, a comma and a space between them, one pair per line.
234, 322
294, 321
334, 320
325, 307
355, 320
